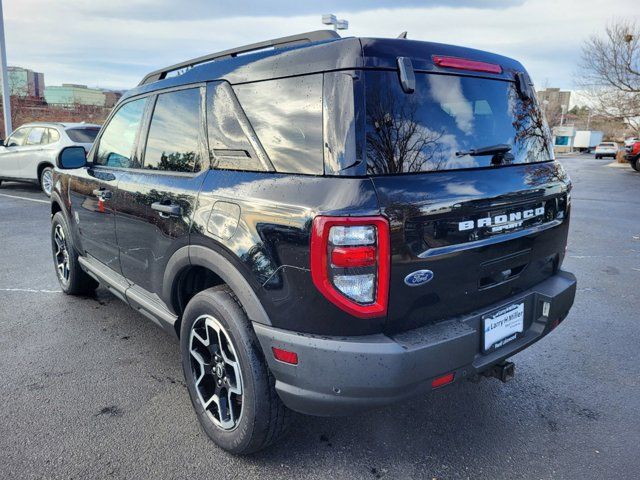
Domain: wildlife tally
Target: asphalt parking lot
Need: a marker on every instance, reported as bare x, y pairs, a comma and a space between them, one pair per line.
91, 389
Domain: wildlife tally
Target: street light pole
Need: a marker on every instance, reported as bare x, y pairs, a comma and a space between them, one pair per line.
6, 94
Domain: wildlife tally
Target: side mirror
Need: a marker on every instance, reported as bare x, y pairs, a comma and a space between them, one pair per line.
71, 157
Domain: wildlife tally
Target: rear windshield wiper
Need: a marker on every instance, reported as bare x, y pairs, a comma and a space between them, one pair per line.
499, 149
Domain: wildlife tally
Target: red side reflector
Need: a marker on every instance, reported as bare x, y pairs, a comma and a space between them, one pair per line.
443, 380
464, 64
346, 257
285, 356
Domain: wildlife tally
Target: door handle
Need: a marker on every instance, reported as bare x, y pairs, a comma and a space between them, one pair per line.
102, 193
167, 209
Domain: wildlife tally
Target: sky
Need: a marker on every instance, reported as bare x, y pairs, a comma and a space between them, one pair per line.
114, 43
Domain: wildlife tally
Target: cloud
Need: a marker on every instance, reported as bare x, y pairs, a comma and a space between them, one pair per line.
114, 43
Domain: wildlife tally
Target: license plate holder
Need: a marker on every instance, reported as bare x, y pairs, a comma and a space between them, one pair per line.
502, 326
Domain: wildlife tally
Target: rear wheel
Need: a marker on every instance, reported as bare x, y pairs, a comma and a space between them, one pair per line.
231, 388
597, 157
73, 280
46, 180
635, 164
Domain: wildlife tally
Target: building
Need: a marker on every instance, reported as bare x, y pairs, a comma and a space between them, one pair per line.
555, 97
25, 83
73, 94
111, 98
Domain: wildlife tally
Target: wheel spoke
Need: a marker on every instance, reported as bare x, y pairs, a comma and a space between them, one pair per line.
219, 382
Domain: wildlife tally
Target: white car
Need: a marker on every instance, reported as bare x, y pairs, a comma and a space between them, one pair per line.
29, 154
607, 149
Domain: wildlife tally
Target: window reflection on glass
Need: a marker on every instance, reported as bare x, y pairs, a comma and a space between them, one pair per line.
229, 146
117, 141
172, 143
286, 115
445, 117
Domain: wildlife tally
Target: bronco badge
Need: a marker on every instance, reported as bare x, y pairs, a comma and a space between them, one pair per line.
420, 277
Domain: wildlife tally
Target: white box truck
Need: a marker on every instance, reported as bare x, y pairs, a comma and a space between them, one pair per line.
587, 140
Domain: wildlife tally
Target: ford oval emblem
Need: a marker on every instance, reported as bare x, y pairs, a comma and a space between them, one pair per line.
420, 277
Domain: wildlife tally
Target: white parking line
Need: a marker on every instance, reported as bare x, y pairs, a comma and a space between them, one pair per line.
25, 198
28, 290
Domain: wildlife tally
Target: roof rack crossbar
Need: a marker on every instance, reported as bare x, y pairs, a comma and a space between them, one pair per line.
282, 42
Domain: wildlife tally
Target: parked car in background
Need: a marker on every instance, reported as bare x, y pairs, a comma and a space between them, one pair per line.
30, 152
607, 149
632, 154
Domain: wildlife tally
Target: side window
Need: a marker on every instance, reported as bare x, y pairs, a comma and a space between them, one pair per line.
117, 141
229, 146
18, 137
35, 136
286, 115
173, 140
54, 136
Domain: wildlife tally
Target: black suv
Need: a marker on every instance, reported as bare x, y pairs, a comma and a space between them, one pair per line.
328, 224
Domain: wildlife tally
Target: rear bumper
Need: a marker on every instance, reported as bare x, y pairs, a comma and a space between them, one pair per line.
342, 375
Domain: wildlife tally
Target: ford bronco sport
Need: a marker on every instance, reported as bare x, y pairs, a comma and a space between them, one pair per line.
328, 224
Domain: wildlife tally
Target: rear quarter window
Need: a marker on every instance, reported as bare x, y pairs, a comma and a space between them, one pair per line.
286, 115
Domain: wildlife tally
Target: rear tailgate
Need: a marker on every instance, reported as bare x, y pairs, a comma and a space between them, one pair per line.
485, 235
463, 168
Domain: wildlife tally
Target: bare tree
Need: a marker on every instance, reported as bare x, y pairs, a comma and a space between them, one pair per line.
609, 72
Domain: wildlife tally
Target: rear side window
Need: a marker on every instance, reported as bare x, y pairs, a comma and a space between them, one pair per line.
173, 141
438, 126
229, 130
52, 136
286, 115
35, 136
117, 141
83, 135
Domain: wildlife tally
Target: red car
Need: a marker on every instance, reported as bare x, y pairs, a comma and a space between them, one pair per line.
633, 155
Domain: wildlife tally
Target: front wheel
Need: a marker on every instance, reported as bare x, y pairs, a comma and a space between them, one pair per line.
635, 164
231, 388
73, 280
46, 180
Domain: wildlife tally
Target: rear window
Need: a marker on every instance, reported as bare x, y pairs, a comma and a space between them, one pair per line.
607, 145
435, 127
83, 135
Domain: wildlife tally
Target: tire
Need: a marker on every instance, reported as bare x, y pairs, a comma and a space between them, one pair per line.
46, 180
73, 280
597, 157
243, 422
635, 164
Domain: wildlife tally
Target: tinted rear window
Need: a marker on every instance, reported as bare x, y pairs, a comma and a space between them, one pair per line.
83, 135
446, 116
286, 115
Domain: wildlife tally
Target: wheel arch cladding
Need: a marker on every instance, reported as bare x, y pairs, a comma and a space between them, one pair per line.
200, 256
42, 166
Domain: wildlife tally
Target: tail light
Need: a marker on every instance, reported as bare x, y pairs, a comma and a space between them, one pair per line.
350, 263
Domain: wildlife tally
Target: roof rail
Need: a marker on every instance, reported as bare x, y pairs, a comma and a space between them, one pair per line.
291, 40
